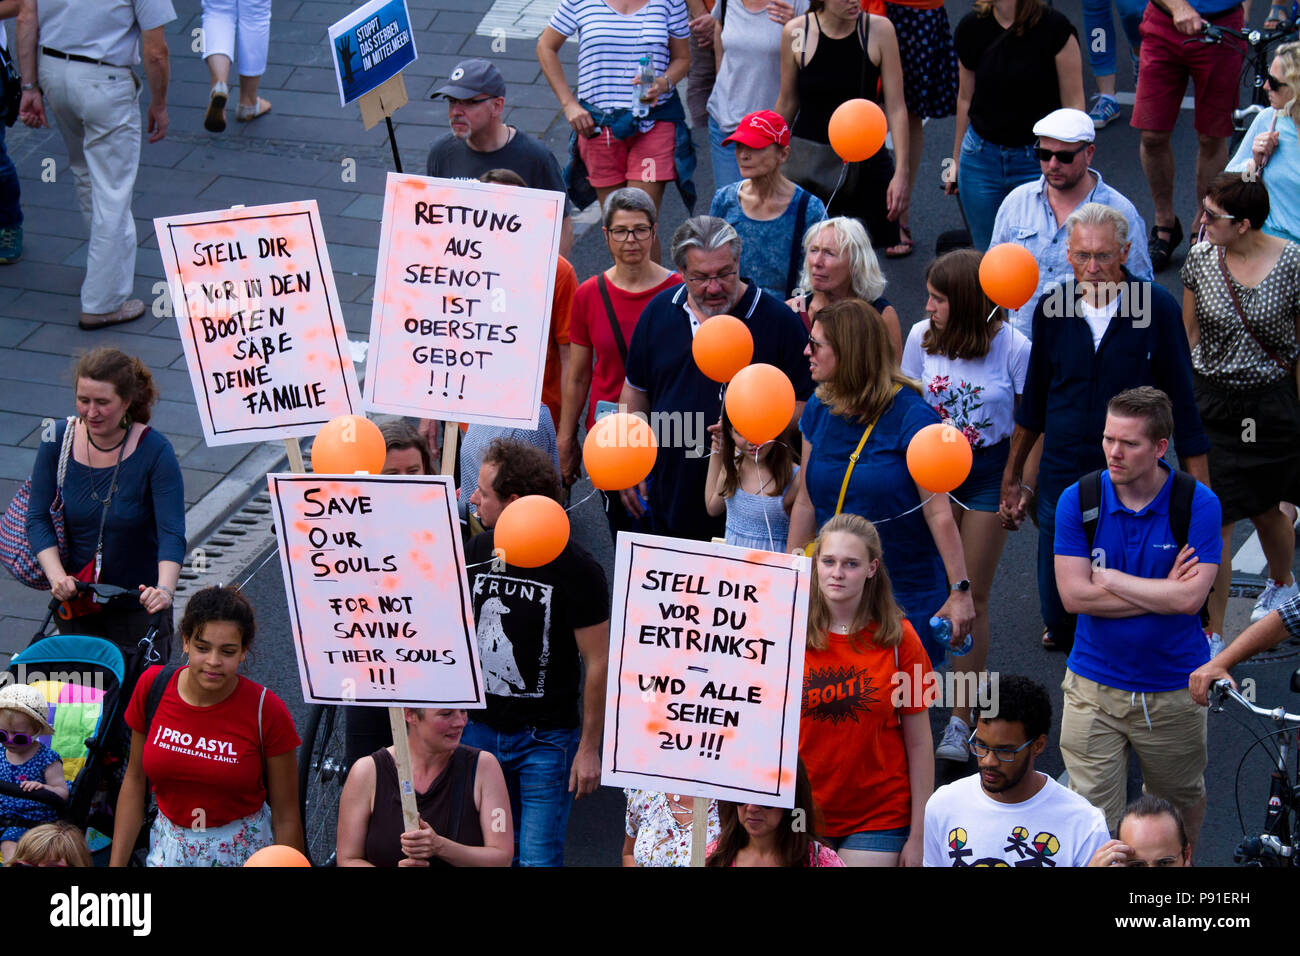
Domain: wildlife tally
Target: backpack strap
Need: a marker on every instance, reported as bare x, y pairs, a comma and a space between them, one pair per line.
613, 319
261, 742
796, 244
1090, 504
1181, 495
156, 691
722, 16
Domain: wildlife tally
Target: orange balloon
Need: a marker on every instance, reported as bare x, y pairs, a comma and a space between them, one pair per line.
722, 346
531, 531
276, 855
1009, 275
857, 130
760, 402
939, 458
620, 451
348, 444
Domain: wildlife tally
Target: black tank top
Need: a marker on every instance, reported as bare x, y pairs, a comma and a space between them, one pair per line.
384, 834
839, 70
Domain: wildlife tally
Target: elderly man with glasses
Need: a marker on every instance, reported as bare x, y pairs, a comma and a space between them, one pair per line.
664, 383
1098, 333
1010, 814
480, 140
1033, 215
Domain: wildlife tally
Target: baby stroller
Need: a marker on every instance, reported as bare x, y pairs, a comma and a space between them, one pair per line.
87, 683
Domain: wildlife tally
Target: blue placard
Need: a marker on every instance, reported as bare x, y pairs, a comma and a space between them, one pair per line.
370, 46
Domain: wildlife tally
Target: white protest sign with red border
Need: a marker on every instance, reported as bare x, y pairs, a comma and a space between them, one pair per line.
260, 321
462, 303
705, 670
379, 606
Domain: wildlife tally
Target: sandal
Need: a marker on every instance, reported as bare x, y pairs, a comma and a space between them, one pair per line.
246, 114
1162, 249
904, 247
1048, 643
214, 120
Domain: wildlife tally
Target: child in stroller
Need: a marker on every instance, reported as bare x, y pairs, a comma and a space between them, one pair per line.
27, 762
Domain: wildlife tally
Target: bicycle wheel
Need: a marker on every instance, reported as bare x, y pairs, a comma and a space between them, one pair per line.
321, 774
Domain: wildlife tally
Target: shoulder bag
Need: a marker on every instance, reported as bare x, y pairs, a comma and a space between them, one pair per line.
15, 550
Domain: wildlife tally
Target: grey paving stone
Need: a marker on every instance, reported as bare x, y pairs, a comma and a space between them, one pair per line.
54, 221
175, 418
39, 276
300, 54
30, 365
221, 458
457, 21
39, 400
315, 103
39, 247
356, 319
16, 463
227, 162
197, 483
353, 288
352, 259
532, 121
326, 13
42, 306
311, 78
365, 207
152, 350
165, 154
338, 133
14, 428
184, 444
13, 331
227, 191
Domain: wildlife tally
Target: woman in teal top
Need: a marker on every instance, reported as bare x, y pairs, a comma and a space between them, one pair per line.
1272, 144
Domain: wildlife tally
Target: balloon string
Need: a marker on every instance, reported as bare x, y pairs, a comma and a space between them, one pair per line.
991, 314
594, 492
844, 170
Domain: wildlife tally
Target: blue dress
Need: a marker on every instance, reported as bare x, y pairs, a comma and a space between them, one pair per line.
758, 521
881, 489
13, 808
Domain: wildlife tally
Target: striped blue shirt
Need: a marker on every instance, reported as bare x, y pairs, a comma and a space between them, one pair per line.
611, 44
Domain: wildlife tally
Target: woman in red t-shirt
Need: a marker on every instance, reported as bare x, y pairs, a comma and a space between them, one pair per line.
631, 282
220, 752
864, 733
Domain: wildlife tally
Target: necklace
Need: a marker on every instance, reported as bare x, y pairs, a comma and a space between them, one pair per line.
100, 448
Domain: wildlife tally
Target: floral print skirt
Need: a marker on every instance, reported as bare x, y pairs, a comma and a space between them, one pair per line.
228, 845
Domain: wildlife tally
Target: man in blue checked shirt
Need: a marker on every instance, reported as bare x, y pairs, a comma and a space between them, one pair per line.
1033, 215
1259, 637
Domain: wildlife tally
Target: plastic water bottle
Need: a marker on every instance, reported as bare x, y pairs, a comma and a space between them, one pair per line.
645, 79
941, 632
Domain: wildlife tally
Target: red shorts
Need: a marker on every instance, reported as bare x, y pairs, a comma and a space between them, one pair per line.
643, 157
1165, 64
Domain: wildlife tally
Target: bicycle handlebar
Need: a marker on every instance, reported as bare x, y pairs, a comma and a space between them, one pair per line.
1223, 690
1211, 33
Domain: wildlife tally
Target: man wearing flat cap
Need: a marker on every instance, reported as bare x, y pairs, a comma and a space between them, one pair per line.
479, 141
1033, 215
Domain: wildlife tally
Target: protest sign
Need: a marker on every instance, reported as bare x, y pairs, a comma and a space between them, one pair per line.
370, 46
705, 670
260, 321
378, 600
462, 302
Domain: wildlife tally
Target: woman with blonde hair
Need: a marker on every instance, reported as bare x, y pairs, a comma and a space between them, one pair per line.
864, 734
838, 264
856, 428
1271, 147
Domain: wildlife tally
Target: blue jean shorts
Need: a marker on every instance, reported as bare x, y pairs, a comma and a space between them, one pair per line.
872, 841
982, 489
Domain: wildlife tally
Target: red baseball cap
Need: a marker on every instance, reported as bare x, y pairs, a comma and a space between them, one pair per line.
761, 129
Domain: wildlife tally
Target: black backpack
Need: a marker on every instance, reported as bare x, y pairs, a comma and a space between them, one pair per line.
1180, 512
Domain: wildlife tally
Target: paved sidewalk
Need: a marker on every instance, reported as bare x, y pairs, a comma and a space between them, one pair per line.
307, 147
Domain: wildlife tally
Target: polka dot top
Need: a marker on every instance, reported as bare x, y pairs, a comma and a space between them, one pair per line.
1227, 353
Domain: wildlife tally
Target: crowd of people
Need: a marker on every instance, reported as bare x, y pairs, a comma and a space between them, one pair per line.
1072, 404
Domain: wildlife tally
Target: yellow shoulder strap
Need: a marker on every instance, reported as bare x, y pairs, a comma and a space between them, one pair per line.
853, 459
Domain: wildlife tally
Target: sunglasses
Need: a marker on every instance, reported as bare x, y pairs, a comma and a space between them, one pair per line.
1274, 84
1063, 156
18, 740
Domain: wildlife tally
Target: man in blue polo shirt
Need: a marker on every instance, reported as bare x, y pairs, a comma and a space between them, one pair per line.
664, 383
1137, 595
1094, 336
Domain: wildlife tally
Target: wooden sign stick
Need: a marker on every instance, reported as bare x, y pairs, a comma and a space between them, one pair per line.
405, 785
699, 830
294, 451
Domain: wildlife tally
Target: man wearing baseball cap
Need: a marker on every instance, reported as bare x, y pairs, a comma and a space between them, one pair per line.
479, 141
1033, 215
768, 211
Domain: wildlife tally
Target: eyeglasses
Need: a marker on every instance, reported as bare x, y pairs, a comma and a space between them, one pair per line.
639, 233
722, 278
1002, 753
451, 101
813, 344
1063, 156
1211, 214
1083, 258
18, 740
1274, 84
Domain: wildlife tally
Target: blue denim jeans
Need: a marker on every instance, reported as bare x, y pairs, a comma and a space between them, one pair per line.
536, 764
1097, 17
986, 174
11, 213
725, 169
1055, 618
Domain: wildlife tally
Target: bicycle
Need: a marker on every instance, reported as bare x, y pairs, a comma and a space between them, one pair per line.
322, 771
1279, 843
1257, 58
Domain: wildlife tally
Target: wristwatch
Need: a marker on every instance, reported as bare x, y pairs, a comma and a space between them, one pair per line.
962, 585
27, 87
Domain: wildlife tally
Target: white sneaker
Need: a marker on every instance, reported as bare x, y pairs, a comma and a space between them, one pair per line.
953, 745
1273, 595
1216, 644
